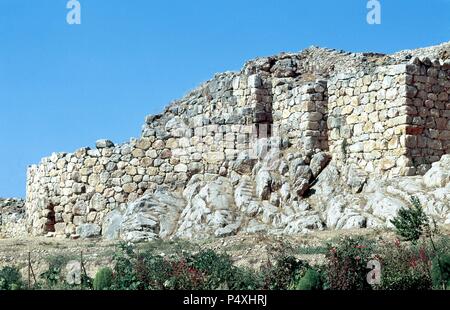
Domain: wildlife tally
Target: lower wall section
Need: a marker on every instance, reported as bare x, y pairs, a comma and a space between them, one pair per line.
68, 191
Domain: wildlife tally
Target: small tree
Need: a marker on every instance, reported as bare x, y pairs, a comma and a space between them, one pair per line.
411, 223
103, 279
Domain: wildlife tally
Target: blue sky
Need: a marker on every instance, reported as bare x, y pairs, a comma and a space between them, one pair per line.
65, 86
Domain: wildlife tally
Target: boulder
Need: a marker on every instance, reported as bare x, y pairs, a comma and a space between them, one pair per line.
103, 143
210, 211
439, 174
244, 163
111, 225
303, 222
301, 186
385, 207
73, 272
356, 179
263, 184
150, 217
86, 231
318, 162
357, 221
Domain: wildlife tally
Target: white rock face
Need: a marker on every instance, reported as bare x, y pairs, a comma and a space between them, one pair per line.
150, 217
88, 231
439, 174
385, 207
210, 211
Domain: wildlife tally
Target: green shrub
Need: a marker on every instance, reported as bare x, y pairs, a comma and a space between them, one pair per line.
184, 277
220, 273
245, 279
440, 272
410, 223
103, 279
53, 278
218, 269
347, 264
125, 277
10, 279
310, 281
281, 274
156, 272
153, 271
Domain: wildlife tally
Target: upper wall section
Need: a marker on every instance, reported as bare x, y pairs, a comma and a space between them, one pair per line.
428, 109
391, 119
368, 118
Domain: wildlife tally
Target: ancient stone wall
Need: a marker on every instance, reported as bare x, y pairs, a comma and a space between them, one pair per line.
387, 117
391, 119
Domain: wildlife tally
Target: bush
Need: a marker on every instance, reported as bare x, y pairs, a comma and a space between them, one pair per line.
347, 264
245, 279
52, 276
10, 279
220, 273
103, 279
204, 270
125, 277
280, 275
310, 281
440, 272
404, 267
153, 271
218, 269
411, 223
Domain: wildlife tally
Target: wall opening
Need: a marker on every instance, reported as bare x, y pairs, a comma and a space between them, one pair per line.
51, 220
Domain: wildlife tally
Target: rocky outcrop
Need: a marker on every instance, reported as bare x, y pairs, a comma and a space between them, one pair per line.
12, 218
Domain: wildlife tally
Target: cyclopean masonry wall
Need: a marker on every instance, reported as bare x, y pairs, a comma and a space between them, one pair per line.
368, 119
387, 117
428, 107
300, 114
392, 119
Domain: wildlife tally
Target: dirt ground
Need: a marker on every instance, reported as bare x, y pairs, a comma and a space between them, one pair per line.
247, 250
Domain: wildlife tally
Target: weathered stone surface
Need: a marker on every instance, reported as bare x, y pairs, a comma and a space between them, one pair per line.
244, 163
73, 272
111, 225
150, 217
101, 144
263, 184
88, 231
318, 162
439, 174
